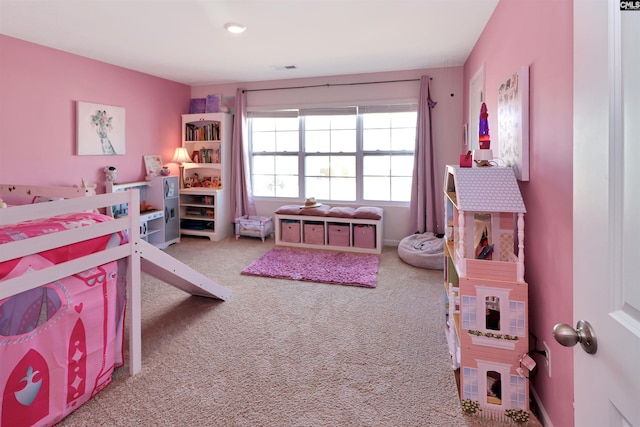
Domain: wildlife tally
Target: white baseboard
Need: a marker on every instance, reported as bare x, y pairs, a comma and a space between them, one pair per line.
546, 422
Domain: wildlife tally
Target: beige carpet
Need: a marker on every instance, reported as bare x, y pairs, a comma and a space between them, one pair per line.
286, 353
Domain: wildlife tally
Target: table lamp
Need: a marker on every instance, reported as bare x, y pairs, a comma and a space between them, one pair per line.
181, 156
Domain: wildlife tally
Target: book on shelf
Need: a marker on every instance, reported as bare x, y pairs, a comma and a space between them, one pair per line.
202, 132
207, 155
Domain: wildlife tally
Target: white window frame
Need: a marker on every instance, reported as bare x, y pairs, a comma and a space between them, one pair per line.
359, 154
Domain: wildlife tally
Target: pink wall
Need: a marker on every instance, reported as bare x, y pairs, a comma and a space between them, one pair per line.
39, 88
540, 34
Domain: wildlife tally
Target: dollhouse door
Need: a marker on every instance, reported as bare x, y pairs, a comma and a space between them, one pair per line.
606, 176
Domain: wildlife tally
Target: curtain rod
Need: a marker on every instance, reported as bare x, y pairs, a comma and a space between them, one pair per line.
333, 84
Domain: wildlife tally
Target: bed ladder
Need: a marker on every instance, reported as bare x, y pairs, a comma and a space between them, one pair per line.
164, 267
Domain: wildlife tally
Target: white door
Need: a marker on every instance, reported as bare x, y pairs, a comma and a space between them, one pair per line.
607, 211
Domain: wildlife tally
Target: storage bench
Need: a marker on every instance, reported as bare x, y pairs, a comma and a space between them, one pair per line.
334, 228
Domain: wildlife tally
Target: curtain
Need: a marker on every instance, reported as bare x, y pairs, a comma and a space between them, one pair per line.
424, 214
241, 194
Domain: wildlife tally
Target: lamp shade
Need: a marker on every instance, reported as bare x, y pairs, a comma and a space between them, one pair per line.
181, 156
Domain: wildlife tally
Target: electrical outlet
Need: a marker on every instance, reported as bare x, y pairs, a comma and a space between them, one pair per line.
547, 358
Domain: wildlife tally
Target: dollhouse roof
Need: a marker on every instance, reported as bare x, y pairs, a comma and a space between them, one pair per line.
488, 189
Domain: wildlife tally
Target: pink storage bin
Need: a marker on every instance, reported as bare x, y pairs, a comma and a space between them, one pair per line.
364, 236
339, 235
290, 231
314, 233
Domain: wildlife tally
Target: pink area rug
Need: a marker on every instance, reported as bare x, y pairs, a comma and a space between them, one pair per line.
343, 268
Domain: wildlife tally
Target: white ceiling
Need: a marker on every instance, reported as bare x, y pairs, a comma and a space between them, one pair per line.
185, 40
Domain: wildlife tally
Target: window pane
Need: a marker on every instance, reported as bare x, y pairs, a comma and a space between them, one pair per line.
402, 165
343, 189
317, 187
317, 122
343, 122
287, 186
376, 139
263, 124
286, 165
317, 141
344, 166
287, 141
376, 165
263, 142
404, 120
330, 166
403, 139
343, 141
263, 185
401, 189
376, 120
287, 123
317, 166
376, 188
263, 165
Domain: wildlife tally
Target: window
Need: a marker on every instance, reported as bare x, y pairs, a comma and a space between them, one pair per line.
274, 143
330, 148
388, 145
341, 154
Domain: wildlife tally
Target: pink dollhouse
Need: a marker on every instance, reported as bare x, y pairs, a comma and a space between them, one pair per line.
487, 297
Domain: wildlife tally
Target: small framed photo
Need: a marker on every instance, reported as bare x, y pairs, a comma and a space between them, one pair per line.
152, 164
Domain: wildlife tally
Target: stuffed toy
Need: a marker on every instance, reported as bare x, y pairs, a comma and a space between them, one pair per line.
110, 173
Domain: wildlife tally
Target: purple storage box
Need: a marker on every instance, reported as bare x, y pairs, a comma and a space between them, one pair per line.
290, 231
364, 236
339, 235
314, 233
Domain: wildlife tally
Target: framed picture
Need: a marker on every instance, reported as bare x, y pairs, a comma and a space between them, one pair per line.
513, 122
100, 129
152, 164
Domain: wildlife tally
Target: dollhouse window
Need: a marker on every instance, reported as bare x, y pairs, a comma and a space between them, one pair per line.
494, 388
495, 382
468, 312
518, 392
516, 318
492, 313
493, 303
470, 381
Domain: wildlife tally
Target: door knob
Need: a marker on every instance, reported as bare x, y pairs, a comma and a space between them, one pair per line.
583, 334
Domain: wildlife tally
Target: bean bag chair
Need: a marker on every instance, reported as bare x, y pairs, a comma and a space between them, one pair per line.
422, 250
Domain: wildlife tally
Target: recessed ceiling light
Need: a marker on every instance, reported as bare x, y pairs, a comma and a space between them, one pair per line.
234, 28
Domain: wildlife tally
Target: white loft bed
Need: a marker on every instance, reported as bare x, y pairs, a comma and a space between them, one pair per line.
141, 256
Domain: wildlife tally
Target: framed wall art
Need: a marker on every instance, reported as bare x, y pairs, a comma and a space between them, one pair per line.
100, 129
513, 122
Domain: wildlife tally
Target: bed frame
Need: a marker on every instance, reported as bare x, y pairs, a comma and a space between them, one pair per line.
141, 256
